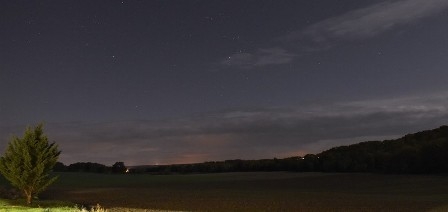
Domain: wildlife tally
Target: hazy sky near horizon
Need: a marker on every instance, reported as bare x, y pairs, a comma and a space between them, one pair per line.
183, 81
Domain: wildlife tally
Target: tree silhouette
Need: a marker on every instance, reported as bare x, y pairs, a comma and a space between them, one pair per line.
119, 167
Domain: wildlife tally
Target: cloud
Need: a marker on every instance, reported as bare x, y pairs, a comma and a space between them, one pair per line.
244, 133
369, 21
357, 24
262, 57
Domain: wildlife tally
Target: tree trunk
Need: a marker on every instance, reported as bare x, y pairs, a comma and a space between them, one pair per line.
29, 197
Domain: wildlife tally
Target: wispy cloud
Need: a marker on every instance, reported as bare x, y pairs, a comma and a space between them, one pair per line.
245, 134
369, 21
262, 57
357, 24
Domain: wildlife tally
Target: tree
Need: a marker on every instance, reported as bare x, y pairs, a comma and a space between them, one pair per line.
28, 161
59, 167
119, 167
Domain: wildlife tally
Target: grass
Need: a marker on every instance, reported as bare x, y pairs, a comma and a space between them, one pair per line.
57, 206
272, 191
37, 206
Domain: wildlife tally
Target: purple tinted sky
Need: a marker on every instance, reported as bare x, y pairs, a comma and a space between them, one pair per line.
156, 82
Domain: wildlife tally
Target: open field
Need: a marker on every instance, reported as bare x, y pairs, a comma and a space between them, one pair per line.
255, 192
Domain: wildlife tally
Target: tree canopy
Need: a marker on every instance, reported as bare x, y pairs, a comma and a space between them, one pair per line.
28, 161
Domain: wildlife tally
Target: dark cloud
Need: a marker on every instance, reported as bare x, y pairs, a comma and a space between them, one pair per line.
246, 134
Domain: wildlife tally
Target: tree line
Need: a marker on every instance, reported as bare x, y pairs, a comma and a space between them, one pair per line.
420, 153
117, 167
424, 152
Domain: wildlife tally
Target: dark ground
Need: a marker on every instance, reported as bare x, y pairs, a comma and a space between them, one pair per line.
274, 191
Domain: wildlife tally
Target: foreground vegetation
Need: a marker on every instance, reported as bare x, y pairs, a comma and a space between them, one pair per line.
38, 206
28, 162
273, 191
57, 206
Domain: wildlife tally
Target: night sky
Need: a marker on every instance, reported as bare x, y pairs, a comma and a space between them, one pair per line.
183, 81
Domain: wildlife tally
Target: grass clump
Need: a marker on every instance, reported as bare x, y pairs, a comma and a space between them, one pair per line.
96, 208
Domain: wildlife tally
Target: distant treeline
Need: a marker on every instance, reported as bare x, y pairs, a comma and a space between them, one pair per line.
424, 152
118, 167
